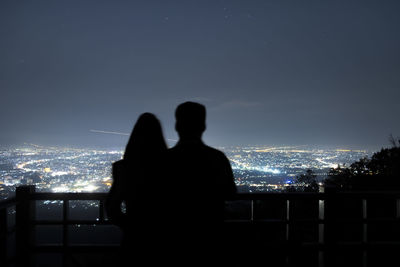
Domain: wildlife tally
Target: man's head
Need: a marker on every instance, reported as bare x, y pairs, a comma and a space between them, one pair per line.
190, 119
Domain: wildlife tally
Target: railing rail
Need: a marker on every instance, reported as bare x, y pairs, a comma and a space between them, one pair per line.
295, 212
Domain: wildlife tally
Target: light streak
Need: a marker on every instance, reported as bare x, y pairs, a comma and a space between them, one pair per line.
108, 132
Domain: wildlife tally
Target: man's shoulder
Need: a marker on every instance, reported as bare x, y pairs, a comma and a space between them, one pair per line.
215, 151
199, 150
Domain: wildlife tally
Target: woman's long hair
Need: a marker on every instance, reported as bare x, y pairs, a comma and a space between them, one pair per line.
146, 139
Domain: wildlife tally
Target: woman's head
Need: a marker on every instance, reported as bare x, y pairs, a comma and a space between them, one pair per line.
146, 138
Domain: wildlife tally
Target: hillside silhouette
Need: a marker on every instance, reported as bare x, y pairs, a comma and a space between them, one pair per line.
380, 172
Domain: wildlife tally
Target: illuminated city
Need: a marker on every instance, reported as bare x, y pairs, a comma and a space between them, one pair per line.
256, 169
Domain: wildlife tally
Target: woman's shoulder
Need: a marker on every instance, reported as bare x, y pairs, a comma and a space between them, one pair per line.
119, 164
120, 169
124, 169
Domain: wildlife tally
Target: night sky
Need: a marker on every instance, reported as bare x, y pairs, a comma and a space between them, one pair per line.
269, 72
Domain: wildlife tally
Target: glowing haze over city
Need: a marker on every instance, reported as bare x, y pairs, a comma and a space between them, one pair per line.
256, 169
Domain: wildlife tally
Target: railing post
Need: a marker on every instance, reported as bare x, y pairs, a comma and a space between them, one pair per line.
3, 236
329, 207
101, 210
65, 231
25, 213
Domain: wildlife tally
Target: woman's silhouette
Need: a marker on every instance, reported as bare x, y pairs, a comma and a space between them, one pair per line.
135, 183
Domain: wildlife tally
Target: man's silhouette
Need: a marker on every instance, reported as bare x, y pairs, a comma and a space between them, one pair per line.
199, 179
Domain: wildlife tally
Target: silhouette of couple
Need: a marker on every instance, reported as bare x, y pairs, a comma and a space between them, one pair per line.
174, 198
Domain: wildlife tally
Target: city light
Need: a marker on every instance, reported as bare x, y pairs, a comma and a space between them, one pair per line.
256, 169
60, 189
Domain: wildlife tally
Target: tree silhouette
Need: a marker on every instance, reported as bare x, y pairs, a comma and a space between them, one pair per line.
306, 182
381, 171
395, 142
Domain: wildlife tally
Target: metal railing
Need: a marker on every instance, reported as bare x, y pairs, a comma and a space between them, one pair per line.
321, 223
25, 221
